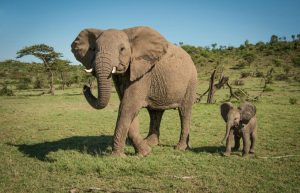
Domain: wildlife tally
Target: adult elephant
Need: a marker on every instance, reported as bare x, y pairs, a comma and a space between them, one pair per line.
148, 71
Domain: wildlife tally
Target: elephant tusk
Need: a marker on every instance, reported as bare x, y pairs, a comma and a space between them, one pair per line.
88, 70
114, 70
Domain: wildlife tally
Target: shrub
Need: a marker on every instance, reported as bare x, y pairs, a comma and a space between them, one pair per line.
259, 74
39, 83
239, 66
277, 62
296, 61
6, 91
249, 58
245, 74
292, 100
268, 89
24, 83
281, 77
287, 69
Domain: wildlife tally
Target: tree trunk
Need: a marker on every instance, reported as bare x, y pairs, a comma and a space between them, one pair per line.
210, 97
52, 88
62, 80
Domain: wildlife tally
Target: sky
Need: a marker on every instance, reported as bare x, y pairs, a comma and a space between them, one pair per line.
194, 22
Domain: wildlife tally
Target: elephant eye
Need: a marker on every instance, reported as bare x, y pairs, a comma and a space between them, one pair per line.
122, 49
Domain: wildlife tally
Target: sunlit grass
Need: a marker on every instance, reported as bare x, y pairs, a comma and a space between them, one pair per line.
55, 143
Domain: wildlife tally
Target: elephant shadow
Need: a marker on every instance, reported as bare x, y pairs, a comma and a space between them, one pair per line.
93, 145
209, 149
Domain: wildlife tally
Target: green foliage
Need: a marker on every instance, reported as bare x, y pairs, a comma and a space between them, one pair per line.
274, 39
277, 62
249, 58
43, 52
259, 74
39, 83
293, 100
296, 61
245, 74
281, 77
287, 69
5, 91
24, 83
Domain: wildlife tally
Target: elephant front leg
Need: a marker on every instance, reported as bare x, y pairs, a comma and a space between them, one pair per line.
140, 146
246, 143
155, 119
229, 143
253, 141
125, 118
237, 139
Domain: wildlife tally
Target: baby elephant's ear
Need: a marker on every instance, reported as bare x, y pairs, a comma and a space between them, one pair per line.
225, 108
247, 111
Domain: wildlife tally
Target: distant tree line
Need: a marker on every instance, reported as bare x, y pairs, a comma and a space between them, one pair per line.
55, 72
52, 71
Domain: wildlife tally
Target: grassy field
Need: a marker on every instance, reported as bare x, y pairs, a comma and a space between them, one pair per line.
57, 143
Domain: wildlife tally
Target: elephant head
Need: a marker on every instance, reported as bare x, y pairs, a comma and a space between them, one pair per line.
107, 52
234, 117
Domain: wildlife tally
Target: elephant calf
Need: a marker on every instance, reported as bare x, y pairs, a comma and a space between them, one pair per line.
240, 123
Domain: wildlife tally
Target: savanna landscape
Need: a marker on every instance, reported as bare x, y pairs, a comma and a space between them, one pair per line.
51, 140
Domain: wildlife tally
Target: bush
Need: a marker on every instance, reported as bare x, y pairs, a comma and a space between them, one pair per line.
249, 58
39, 83
6, 91
238, 66
292, 100
259, 74
287, 69
296, 61
245, 74
268, 89
277, 62
24, 83
281, 77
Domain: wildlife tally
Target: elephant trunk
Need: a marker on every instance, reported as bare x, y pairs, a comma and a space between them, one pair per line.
103, 75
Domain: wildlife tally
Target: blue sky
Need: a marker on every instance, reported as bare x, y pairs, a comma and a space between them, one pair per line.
195, 22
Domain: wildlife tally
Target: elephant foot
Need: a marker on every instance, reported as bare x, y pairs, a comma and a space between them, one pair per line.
244, 154
226, 154
118, 154
235, 149
182, 146
152, 140
144, 151
251, 151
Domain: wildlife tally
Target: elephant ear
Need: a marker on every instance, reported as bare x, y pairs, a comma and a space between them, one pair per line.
225, 108
83, 47
247, 111
147, 47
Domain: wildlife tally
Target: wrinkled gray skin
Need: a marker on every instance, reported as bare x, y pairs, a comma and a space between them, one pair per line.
240, 123
150, 73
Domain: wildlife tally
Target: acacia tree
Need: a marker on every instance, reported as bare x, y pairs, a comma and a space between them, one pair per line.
47, 55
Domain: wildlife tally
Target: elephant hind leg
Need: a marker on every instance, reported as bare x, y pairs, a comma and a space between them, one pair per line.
155, 120
185, 112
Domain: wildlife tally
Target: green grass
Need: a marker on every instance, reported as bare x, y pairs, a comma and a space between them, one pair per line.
56, 143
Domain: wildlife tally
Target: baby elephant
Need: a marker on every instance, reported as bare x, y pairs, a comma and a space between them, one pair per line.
240, 122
